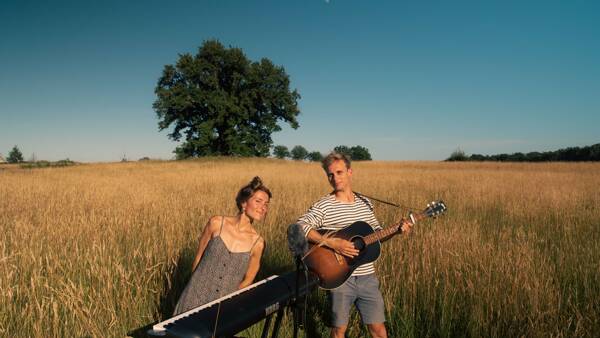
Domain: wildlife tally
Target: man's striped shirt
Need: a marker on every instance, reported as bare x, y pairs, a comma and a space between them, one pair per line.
331, 214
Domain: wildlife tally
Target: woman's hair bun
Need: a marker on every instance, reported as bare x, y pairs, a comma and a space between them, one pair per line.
255, 183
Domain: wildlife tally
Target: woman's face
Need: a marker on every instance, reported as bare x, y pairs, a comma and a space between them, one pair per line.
257, 205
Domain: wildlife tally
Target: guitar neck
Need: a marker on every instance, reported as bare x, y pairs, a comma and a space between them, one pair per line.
391, 231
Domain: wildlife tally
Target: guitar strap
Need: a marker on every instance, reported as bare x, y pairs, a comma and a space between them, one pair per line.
362, 197
364, 200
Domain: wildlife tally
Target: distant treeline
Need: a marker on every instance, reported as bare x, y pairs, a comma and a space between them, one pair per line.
571, 154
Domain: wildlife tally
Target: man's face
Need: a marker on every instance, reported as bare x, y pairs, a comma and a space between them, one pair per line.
339, 175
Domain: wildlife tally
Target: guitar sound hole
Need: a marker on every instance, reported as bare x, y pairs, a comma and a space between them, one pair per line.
359, 243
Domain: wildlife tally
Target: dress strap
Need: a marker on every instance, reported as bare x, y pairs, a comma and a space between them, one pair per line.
256, 241
222, 221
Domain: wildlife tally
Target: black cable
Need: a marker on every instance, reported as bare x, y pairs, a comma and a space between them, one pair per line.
305, 297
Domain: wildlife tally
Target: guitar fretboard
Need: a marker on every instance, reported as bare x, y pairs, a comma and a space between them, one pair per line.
390, 231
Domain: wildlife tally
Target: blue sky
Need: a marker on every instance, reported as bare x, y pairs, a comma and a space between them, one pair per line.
408, 80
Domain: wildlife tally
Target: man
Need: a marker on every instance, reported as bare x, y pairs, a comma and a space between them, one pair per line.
335, 211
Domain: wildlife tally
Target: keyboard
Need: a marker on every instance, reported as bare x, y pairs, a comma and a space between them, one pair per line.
236, 311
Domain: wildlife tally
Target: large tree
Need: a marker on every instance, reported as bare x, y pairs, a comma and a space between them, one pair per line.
222, 103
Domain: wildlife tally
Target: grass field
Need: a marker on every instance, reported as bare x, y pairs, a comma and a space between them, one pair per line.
101, 249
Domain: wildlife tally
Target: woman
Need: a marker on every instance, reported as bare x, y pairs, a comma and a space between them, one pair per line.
229, 251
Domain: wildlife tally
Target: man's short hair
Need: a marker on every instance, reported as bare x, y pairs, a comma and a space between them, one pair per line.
332, 157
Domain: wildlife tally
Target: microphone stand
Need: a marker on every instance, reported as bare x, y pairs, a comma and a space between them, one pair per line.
298, 304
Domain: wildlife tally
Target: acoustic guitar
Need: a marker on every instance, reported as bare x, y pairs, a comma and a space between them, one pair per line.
334, 269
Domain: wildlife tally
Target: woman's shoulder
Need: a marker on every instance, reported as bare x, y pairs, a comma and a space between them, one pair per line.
218, 219
217, 222
257, 238
214, 223
259, 244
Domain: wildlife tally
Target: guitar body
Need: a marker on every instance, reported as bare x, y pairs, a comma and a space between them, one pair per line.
334, 269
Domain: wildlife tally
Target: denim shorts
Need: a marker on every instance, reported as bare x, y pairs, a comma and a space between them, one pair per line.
362, 291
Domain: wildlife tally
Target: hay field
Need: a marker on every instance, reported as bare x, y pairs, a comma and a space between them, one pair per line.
101, 249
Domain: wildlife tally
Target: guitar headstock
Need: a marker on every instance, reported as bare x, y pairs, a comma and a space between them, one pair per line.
435, 208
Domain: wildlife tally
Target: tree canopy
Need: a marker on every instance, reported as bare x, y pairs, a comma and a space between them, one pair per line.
587, 153
222, 103
343, 150
281, 152
15, 155
299, 153
458, 155
356, 153
360, 153
314, 156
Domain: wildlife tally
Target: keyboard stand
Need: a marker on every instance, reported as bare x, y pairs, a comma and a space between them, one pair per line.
278, 319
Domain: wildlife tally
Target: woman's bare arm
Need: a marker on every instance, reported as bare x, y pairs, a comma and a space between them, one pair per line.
212, 226
254, 263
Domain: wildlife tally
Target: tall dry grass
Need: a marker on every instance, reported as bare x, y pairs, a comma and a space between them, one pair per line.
99, 250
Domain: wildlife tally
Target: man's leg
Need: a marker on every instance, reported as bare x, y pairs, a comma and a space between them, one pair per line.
338, 332
370, 305
342, 299
377, 330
